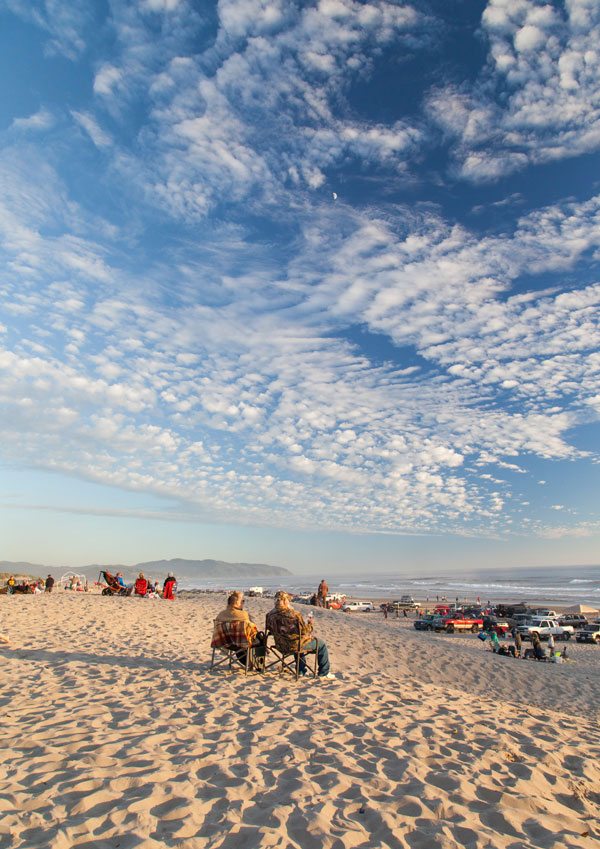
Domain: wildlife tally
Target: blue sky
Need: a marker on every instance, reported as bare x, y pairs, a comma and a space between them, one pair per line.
307, 283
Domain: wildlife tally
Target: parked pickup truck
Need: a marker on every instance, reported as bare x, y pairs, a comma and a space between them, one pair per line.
456, 622
543, 628
589, 633
407, 602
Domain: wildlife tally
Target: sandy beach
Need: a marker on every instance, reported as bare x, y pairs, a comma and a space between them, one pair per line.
115, 733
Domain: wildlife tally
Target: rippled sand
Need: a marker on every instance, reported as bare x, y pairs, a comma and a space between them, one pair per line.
116, 734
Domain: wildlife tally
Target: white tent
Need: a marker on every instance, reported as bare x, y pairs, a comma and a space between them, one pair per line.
581, 608
66, 579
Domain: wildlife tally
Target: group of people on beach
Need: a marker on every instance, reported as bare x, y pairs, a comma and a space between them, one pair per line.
292, 633
32, 587
144, 587
536, 652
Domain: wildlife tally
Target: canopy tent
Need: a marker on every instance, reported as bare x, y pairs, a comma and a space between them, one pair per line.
581, 608
70, 576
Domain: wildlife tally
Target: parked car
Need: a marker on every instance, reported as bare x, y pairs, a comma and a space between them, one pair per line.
358, 607
544, 627
577, 620
407, 602
508, 611
429, 622
500, 626
457, 622
519, 619
590, 633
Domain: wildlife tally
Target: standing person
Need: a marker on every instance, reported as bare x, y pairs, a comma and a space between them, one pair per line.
49, 584
384, 607
322, 594
518, 644
169, 587
551, 645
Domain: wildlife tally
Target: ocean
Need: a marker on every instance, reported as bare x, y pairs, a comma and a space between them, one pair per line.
562, 585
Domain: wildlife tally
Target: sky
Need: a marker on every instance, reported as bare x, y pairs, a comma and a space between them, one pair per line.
306, 283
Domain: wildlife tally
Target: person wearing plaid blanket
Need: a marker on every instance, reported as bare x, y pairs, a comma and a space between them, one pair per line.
248, 631
285, 622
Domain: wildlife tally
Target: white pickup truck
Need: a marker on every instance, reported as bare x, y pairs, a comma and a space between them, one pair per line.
543, 628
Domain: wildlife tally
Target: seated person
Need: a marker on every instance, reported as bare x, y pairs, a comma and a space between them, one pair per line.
153, 589
284, 618
234, 612
141, 585
169, 587
538, 652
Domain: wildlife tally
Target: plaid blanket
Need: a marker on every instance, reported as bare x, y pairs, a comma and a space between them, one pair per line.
289, 629
235, 633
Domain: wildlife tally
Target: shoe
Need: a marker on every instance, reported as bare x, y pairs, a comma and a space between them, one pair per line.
329, 676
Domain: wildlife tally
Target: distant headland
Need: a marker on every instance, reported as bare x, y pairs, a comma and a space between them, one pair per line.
182, 568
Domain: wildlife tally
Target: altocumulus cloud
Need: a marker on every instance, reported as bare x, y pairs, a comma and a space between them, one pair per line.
183, 307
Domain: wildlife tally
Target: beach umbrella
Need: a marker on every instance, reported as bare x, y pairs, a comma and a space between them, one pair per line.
581, 608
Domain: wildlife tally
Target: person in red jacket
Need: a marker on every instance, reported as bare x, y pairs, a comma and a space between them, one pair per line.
141, 585
169, 587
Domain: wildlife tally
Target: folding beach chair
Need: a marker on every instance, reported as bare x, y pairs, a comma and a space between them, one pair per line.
113, 587
230, 645
286, 639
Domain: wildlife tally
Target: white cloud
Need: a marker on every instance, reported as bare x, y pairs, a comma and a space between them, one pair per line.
106, 79
66, 24
162, 5
88, 123
283, 408
43, 119
263, 103
539, 99
219, 374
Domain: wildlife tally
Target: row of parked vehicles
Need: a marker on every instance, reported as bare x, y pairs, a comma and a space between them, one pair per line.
529, 624
451, 618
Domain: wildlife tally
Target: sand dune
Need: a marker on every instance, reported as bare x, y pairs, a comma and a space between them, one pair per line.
116, 734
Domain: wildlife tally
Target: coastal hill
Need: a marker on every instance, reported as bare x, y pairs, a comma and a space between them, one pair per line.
20, 569
181, 568
211, 569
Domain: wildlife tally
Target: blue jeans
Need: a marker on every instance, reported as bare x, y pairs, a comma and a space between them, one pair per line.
322, 656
